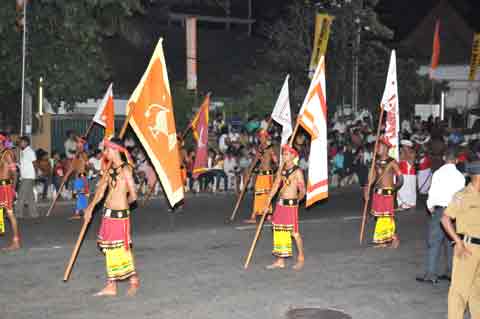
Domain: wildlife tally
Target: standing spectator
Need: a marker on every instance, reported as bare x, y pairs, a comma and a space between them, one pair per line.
27, 179
70, 145
44, 170
230, 166
264, 122
58, 170
446, 181
95, 166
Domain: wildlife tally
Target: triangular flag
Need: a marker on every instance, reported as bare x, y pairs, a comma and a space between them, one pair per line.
281, 112
105, 115
390, 105
200, 133
313, 118
435, 49
153, 121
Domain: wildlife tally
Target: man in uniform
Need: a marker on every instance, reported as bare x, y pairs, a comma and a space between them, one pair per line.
291, 188
7, 191
384, 187
114, 235
465, 210
264, 176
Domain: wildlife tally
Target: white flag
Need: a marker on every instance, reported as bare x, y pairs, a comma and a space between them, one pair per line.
281, 112
313, 118
390, 106
99, 116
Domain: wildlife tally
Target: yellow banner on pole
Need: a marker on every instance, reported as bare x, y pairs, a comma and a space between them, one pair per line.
320, 40
475, 60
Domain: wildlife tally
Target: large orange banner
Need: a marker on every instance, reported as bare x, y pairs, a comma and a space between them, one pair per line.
153, 121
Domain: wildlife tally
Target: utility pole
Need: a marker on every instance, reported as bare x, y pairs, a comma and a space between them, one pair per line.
24, 56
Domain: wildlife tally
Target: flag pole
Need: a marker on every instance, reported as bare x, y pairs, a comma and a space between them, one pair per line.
370, 176
262, 219
84, 228
247, 179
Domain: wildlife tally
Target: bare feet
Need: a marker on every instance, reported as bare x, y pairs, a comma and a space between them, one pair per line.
250, 221
14, 245
299, 265
74, 217
276, 265
395, 243
109, 290
134, 286
380, 246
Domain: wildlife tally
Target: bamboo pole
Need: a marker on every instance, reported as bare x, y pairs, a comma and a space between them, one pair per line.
370, 177
85, 224
262, 219
247, 180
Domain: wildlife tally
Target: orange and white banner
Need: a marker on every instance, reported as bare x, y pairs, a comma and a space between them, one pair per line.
200, 133
153, 121
390, 105
323, 23
313, 118
105, 115
191, 37
475, 59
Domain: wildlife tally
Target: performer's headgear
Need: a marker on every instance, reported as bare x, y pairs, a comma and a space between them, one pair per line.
109, 144
291, 150
406, 143
263, 133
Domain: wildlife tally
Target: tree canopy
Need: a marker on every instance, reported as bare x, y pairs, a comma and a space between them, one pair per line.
63, 46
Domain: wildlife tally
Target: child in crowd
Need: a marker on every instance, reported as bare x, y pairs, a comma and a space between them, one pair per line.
81, 192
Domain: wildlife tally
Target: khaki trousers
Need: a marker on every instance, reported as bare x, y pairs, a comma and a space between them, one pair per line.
465, 286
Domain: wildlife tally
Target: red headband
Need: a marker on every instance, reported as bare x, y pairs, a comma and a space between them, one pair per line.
263, 133
109, 144
289, 149
3, 138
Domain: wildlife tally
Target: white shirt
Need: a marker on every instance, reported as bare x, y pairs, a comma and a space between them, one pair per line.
446, 181
229, 164
70, 148
222, 143
27, 157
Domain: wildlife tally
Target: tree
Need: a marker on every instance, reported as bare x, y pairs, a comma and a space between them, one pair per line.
64, 46
291, 46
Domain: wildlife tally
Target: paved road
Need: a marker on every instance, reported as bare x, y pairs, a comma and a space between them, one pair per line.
190, 265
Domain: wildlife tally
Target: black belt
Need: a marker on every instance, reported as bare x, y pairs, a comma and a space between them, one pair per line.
264, 172
4, 182
384, 191
439, 207
114, 213
469, 240
288, 202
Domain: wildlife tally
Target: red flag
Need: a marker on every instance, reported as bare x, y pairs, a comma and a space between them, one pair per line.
436, 49
153, 121
200, 133
105, 115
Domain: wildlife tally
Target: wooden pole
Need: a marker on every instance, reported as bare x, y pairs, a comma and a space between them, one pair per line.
247, 180
262, 219
62, 185
370, 177
85, 224
88, 130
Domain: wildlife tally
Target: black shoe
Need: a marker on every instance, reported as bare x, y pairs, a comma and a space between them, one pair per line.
445, 277
427, 280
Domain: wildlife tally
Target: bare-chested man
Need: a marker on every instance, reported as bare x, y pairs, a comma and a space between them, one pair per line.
114, 234
264, 176
291, 188
7, 190
384, 187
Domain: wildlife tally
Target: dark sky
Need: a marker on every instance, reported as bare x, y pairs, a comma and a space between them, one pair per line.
399, 15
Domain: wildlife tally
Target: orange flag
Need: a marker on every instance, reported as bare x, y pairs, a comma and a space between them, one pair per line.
105, 115
153, 121
200, 133
435, 50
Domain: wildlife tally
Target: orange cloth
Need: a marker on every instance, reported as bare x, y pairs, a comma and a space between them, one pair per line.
263, 185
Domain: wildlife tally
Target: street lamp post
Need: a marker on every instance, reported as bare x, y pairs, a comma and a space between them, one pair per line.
24, 54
